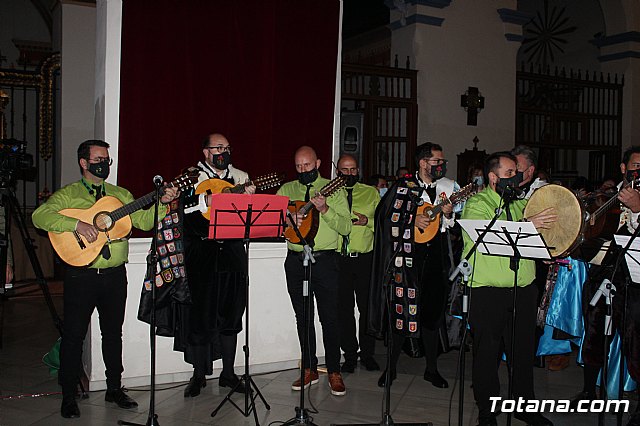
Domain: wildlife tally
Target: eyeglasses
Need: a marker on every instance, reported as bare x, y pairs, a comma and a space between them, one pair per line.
437, 161
220, 149
100, 160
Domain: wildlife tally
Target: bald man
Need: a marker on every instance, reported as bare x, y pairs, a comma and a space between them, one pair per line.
356, 259
335, 220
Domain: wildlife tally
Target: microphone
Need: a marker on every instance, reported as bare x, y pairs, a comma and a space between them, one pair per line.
510, 193
158, 180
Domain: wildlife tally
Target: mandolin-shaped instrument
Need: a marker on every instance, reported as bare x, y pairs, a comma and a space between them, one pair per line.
111, 218
427, 209
311, 216
218, 186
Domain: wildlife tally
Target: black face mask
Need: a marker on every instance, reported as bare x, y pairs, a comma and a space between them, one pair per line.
222, 161
512, 182
438, 171
351, 179
306, 178
632, 175
99, 170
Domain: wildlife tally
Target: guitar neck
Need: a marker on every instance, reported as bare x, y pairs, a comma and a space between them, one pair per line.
134, 206
604, 208
239, 189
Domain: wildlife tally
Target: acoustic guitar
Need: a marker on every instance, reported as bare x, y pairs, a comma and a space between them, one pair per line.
218, 186
433, 212
111, 219
311, 216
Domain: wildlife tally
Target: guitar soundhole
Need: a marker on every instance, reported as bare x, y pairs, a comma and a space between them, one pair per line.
103, 222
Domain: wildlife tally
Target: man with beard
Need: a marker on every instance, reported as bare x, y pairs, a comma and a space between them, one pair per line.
335, 220
429, 261
491, 301
215, 274
356, 251
101, 285
592, 349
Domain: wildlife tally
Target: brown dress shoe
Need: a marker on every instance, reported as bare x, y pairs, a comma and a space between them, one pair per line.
310, 378
336, 384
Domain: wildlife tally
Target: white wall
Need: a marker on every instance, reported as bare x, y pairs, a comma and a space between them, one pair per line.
78, 47
273, 339
468, 49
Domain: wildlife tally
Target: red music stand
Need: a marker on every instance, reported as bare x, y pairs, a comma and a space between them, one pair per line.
246, 217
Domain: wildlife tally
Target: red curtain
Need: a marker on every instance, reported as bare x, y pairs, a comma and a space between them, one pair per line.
262, 73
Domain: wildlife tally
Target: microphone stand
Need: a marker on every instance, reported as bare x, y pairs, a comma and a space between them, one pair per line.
152, 262
464, 267
302, 415
387, 420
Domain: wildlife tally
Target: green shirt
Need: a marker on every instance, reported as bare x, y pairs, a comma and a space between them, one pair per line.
336, 220
76, 196
494, 271
365, 201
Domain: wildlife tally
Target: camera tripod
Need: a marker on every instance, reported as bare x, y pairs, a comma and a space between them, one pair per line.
10, 208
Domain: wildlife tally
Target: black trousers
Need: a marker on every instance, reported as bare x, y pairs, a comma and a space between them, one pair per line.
324, 287
84, 290
490, 318
355, 274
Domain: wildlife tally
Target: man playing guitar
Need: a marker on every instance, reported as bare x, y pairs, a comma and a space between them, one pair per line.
102, 284
431, 261
335, 220
215, 271
593, 345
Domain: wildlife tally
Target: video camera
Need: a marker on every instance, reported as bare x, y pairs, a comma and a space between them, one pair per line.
15, 162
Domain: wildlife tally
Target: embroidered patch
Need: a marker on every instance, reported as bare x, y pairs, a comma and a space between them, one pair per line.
399, 291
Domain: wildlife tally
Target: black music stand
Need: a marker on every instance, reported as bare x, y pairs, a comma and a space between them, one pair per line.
631, 253
246, 217
517, 240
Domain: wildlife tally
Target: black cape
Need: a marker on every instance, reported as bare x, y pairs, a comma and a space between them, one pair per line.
394, 274
172, 288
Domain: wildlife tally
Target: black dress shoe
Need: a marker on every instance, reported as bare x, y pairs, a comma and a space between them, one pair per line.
232, 382
69, 408
194, 386
119, 397
369, 363
582, 396
382, 380
349, 366
533, 419
487, 421
436, 379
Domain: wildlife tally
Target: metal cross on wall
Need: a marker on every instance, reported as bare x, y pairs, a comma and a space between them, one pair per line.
473, 102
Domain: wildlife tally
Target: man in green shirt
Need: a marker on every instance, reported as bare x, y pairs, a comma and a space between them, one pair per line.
355, 268
491, 302
102, 284
335, 220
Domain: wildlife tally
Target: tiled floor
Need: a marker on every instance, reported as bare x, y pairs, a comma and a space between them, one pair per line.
29, 334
